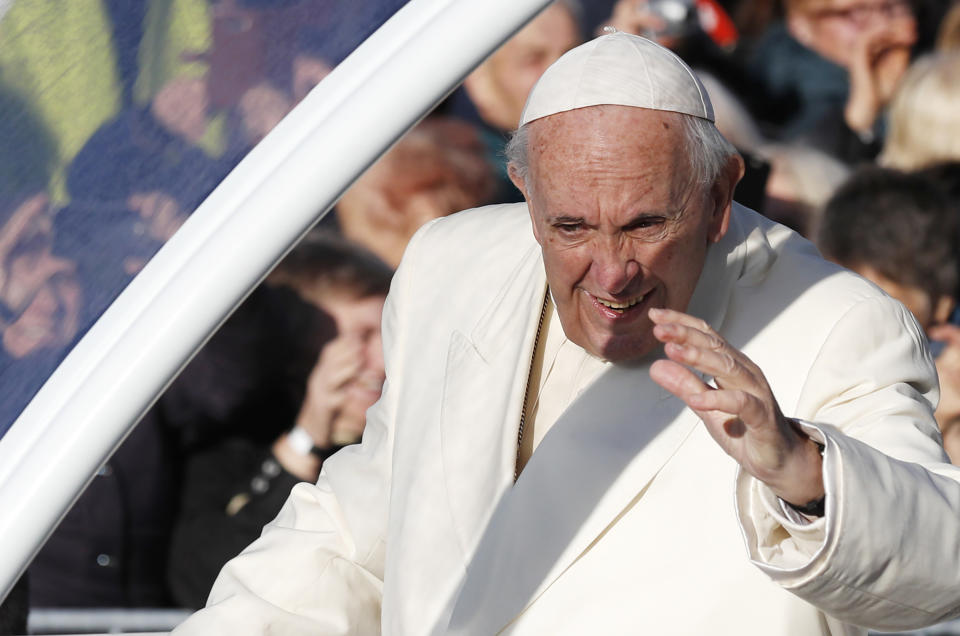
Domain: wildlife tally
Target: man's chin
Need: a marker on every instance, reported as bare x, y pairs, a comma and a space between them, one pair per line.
626, 349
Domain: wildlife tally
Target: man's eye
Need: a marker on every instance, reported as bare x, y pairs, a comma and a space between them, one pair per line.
641, 224
568, 228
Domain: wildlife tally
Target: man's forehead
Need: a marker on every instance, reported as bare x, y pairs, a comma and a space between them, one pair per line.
602, 126
623, 151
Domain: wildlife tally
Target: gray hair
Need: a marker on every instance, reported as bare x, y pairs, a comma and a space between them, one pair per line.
707, 150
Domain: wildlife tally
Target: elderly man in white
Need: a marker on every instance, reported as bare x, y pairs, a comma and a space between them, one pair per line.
628, 406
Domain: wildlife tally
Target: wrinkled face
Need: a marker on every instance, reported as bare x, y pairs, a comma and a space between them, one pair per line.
621, 228
359, 320
39, 291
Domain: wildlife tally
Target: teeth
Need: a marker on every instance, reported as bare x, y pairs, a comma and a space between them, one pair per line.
620, 306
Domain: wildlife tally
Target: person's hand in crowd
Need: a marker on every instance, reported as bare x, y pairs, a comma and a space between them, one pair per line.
337, 367
261, 108
880, 58
741, 414
160, 212
948, 369
339, 363
181, 107
26, 215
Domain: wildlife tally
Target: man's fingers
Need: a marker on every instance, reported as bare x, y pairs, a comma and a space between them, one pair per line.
693, 343
721, 411
666, 316
683, 334
743, 406
716, 363
677, 379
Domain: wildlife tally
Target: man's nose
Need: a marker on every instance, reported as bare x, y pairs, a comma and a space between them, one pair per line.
614, 268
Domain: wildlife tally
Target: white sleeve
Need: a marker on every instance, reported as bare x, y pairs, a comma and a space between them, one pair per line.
318, 567
887, 553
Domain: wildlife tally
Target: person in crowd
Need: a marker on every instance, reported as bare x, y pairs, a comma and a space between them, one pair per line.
947, 176
147, 161
316, 52
350, 284
498, 87
898, 230
40, 298
434, 170
260, 108
597, 400
238, 484
924, 118
492, 96
111, 549
830, 69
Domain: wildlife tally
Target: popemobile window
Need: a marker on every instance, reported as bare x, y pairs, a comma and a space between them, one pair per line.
117, 119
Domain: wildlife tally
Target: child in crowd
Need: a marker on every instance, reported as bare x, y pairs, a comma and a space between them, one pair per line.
899, 231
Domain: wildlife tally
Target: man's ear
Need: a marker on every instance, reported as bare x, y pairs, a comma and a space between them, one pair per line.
521, 184
721, 197
517, 179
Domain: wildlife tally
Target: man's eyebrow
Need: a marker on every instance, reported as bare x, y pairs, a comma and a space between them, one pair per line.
646, 215
563, 218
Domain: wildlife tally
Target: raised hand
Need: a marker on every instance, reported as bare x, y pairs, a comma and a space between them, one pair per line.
741, 414
338, 365
880, 58
160, 211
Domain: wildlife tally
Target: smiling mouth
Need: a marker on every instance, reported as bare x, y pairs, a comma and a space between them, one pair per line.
620, 307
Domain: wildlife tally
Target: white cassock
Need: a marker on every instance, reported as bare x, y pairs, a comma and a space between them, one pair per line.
628, 518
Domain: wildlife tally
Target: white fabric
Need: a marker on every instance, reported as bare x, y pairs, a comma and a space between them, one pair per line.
620, 69
628, 518
562, 371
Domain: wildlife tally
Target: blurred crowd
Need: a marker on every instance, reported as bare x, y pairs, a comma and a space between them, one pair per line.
119, 117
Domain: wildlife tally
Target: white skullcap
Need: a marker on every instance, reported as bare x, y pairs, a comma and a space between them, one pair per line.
618, 69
